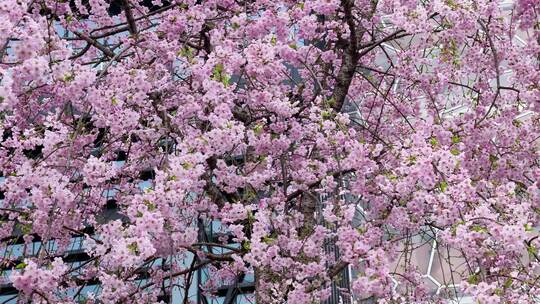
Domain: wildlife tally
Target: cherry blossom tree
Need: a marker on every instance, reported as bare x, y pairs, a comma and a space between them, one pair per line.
288, 126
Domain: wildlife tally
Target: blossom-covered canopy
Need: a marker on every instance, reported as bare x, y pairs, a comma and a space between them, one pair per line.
385, 128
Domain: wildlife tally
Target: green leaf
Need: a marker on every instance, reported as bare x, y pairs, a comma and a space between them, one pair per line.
25, 228
326, 114
478, 228
455, 151
218, 74
433, 141
258, 129
225, 79
273, 41
82, 299
21, 265
453, 229
443, 185
330, 102
508, 283
532, 250
133, 248
268, 240
68, 77
186, 52
473, 279
149, 205
493, 160
246, 245
114, 101
452, 4
456, 139
218, 69
250, 217
249, 195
